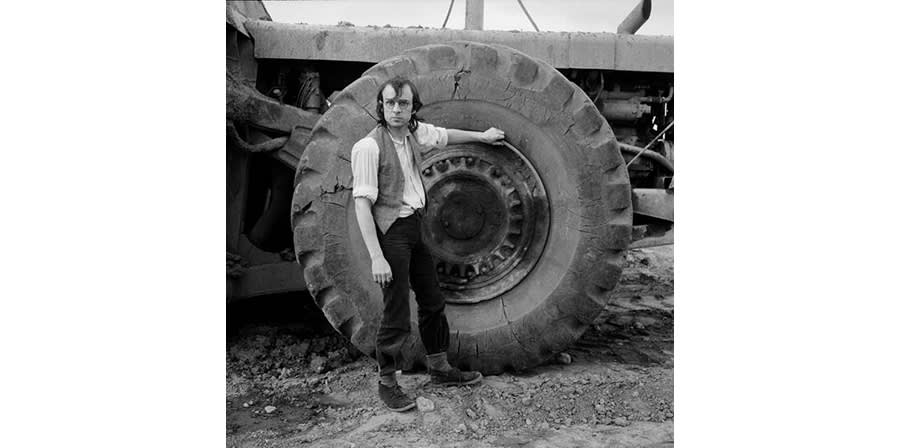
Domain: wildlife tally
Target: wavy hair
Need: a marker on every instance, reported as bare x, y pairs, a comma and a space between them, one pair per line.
397, 83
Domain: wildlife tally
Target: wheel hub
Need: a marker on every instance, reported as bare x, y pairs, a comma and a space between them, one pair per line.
486, 220
462, 215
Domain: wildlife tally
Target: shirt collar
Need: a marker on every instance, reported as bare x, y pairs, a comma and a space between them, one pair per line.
401, 139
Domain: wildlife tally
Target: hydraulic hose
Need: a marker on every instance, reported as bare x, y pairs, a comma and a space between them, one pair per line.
655, 156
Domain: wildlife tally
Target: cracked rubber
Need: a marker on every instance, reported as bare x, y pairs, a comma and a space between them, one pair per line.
553, 123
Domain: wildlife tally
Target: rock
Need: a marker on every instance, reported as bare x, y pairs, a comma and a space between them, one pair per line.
424, 404
246, 404
318, 363
528, 421
527, 401
269, 409
564, 358
432, 420
545, 426
461, 427
620, 421
471, 414
492, 412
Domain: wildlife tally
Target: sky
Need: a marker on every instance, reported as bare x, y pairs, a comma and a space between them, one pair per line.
553, 15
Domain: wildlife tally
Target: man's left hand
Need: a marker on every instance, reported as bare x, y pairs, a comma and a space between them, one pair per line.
493, 136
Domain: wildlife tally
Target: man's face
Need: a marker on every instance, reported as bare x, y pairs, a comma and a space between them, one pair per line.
397, 108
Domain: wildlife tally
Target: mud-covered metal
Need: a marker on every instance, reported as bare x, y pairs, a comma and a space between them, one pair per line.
246, 106
238, 12
636, 18
654, 202
624, 110
486, 220
606, 51
266, 279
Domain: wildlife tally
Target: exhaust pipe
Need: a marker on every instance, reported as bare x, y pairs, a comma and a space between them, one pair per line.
635, 19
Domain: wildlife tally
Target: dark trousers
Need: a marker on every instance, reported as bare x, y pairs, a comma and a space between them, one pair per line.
411, 265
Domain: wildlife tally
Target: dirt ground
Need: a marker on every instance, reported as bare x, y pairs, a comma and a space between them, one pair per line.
292, 381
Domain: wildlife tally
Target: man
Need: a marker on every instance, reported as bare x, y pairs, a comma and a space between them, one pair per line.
389, 199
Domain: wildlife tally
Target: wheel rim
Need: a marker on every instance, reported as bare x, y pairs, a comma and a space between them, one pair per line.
486, 221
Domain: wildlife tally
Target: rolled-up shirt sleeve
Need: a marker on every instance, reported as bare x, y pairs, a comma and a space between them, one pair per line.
364, 163
431, 136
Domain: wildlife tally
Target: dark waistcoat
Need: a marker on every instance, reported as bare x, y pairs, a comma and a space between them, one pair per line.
390, 177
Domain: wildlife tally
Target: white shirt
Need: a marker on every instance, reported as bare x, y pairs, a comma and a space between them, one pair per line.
364, 162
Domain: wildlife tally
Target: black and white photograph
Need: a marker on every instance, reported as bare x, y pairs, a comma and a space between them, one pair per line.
450, 223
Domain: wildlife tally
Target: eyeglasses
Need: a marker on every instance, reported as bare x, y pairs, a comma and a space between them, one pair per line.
404, 104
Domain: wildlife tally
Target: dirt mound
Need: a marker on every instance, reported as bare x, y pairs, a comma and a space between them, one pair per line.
270, 355
647, 272
585, 398
287, 388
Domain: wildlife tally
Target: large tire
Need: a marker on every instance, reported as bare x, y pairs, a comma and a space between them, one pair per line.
557, 129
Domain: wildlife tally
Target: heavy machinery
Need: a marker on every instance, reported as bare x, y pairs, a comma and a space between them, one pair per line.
529, 238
